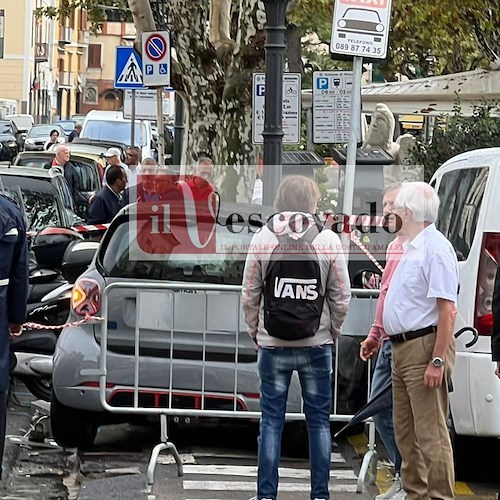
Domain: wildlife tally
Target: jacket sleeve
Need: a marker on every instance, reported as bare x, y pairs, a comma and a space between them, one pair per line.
97, 211
18, 284
338, 288
252, 290
70, 176
495, 335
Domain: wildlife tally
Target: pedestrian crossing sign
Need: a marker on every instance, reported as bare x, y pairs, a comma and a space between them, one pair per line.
128, 74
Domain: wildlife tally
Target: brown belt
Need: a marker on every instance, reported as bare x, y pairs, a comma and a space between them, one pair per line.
415, 334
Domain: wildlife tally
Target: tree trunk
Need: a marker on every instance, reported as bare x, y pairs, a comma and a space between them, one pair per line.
216, 85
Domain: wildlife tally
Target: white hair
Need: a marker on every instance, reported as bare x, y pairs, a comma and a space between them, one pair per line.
420, 199
61, 147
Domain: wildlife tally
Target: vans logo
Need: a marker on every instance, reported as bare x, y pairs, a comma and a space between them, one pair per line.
296, 288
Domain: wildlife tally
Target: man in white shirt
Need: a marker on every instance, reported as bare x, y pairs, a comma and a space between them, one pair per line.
133, 161
419, 317
113, 157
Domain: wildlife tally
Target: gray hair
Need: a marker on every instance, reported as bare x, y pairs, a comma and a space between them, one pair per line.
420, 199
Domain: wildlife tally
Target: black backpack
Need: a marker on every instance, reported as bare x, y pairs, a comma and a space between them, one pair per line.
292, 288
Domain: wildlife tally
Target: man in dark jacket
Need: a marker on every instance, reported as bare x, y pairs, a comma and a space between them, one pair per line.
495, 334
13, 294
75, 132
108, 201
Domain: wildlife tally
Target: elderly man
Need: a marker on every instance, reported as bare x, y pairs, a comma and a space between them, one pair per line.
145, 189
419, 317
61, 161
113, 157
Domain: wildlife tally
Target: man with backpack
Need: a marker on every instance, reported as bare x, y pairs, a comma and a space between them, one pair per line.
295, 297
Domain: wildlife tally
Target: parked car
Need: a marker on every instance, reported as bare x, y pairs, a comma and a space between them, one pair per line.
23, 123
76, 411
468, 187
67, 125
40, 134
88, 169
43, 195
10, 140
111, 126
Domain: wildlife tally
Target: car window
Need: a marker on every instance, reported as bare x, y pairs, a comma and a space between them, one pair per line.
86, 179
44, 130
39, 162
115, 131
461, 194
119, 261
5, 128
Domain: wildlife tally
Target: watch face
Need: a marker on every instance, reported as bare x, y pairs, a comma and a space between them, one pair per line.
438, 362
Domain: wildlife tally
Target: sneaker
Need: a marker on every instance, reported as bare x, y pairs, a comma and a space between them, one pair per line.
395, 492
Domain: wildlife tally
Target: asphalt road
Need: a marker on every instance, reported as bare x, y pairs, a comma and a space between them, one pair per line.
219, 464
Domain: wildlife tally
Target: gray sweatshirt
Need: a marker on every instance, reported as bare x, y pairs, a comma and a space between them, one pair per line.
334, 282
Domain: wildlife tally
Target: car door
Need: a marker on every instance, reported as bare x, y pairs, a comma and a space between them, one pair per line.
68, 214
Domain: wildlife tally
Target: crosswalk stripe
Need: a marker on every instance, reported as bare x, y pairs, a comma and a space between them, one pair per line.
250, 486
245, 470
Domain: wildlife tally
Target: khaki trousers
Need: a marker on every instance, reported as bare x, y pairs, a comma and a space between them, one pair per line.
420, 421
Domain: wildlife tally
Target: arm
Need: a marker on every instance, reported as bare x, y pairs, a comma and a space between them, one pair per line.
70, 176
338, 290
252, 292
18, 284
97, 210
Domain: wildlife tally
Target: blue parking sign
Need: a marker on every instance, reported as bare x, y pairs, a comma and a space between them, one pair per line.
322, 83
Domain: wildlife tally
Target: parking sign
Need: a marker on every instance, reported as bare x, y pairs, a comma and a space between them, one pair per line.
361, 28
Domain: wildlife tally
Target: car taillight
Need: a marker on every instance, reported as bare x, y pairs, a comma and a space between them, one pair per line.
490, 256
86, 297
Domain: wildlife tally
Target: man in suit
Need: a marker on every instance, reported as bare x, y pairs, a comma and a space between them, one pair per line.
108, 201
13, 294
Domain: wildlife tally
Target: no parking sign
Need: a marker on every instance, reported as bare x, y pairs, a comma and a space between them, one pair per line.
156, 58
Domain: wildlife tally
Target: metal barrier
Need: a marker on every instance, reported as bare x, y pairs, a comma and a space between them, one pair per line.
219, 300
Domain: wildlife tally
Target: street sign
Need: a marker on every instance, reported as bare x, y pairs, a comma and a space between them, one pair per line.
331, 106
291, 107
361, 28
145, 104
128, 70
156, 58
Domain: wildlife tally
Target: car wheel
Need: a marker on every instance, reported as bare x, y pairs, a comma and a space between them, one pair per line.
71, 427
40, 387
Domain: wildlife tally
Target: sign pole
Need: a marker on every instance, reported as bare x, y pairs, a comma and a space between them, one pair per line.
132, 121
159, 123
355, 122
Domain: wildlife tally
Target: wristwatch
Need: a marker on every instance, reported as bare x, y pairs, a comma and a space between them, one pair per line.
437, 362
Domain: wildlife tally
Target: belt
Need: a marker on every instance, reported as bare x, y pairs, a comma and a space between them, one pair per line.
415, 334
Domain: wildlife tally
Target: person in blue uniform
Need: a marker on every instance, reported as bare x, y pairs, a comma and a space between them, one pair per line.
13, 293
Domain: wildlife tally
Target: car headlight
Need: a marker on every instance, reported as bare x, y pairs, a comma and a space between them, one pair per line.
379, 27
29, 141
342, 23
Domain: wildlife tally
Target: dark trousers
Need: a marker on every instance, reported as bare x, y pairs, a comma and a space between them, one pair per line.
4, 397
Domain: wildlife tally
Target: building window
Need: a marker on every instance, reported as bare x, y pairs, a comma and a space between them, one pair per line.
94, 55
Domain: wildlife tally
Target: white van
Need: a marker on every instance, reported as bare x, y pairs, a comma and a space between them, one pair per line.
468, 186
111, 126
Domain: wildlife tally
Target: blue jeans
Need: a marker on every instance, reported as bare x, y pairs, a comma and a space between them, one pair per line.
314, 367
383, 420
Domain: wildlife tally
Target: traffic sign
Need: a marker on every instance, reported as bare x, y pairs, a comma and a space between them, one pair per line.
145, 104
331, 106
291, 107
128, 69
156, 58
361, 28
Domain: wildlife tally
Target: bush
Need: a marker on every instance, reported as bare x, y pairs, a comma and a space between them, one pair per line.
459, 134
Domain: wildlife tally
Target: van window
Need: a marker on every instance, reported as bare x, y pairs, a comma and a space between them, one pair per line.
100, 130
461, 194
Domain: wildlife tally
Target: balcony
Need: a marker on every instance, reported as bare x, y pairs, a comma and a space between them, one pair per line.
65, 35
66, 80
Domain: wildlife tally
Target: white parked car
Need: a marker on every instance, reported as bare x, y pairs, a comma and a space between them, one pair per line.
111, 126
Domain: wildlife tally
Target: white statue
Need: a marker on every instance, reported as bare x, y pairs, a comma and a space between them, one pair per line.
220, 23
381, 131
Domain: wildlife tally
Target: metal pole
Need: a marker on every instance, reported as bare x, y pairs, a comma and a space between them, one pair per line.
178, 130
159, 123
132, 122
273, 113
350, 171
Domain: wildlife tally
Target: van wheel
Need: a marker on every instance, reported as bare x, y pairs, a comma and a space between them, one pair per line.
71, 427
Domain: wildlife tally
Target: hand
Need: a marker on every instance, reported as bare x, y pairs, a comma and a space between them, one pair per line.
15, 330
368, 348
433, 376
497, 371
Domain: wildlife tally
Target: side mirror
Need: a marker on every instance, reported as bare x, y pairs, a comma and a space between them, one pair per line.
77, 258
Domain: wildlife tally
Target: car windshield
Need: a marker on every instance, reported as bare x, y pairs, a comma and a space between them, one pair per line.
120, 261
44, 130
5, 128
362, 15
115, 131
67, 125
